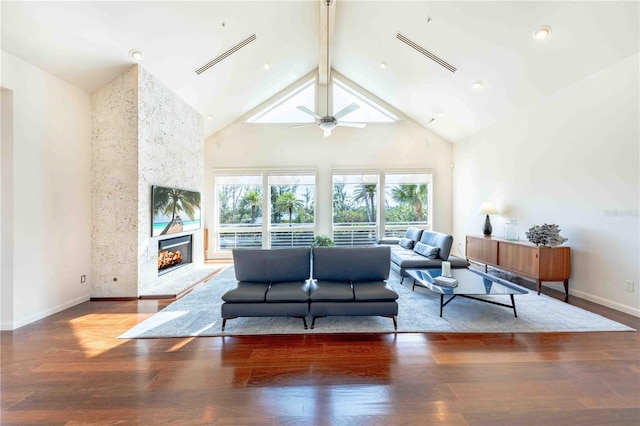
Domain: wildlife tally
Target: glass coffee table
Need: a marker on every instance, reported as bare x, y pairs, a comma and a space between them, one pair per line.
471, 283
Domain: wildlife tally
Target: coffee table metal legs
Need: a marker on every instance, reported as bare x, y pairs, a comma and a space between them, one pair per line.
512, 305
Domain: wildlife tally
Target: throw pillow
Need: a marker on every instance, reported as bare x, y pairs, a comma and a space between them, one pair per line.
406, 243
430, 252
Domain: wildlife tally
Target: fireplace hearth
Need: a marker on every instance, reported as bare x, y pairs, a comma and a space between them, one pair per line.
174, 253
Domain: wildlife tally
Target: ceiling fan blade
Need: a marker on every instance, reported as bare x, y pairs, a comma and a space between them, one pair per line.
297, 126
346, 111
351, 124
327, 132
308, 111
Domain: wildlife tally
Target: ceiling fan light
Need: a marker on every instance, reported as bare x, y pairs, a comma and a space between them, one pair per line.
327, 125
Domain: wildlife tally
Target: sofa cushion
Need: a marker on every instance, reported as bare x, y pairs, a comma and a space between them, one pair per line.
440, 240
330, 291
413, 233
351, 263
406, 243
295, 291
248, 292
272, 265
430, 252
376, 291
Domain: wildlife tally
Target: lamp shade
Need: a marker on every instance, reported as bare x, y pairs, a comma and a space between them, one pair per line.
488, 208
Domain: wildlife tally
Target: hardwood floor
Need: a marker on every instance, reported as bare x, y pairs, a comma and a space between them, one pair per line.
70, 369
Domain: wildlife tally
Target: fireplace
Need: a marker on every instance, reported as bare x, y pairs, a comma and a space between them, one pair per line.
174, 253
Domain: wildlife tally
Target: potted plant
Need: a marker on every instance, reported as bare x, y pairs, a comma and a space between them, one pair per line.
322, 241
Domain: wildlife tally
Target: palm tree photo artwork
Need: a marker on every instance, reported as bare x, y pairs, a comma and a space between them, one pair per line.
174, 210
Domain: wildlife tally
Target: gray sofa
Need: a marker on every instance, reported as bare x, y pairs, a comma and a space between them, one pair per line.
351, 281
421, 249
271, 283
277, 282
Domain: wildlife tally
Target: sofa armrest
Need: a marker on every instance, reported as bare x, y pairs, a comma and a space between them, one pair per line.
389, 241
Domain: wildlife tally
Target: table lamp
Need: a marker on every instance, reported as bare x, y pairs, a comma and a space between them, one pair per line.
487, 209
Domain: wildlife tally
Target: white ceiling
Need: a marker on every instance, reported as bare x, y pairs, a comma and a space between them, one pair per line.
87, 44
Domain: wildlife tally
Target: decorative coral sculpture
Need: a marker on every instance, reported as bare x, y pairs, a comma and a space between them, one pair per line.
547, 235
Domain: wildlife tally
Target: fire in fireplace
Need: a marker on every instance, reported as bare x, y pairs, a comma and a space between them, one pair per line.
174, 253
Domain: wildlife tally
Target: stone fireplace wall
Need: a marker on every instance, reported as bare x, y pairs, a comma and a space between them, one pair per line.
143, 135
170, 153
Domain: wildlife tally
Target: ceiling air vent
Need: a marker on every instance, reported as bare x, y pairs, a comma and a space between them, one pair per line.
426, 53
226, 54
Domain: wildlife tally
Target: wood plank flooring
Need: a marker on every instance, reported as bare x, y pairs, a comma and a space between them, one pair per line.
70, 369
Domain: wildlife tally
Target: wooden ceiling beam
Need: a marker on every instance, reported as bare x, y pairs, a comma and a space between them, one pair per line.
326, 39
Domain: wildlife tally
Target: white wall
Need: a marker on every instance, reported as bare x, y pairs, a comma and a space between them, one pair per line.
380, 146
572, 160
6, 212
51, 197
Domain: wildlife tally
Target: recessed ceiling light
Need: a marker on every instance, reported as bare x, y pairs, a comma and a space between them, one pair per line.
136, 55
209, 117
267, 65
478, 84
383, 64
440, 114
542, 33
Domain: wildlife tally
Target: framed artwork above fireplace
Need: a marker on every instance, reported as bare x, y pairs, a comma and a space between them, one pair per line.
174, 210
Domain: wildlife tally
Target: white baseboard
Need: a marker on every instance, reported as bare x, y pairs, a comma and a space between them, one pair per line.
40, 315
606, 302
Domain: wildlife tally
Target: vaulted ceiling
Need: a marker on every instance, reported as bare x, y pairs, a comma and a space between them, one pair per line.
87, 44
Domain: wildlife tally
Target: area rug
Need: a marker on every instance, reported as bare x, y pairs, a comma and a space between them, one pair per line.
198, 314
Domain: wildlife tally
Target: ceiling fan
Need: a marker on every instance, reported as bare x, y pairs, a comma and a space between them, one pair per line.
329, 122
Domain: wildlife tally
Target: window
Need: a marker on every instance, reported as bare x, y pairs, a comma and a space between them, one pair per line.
279, 208
407, 201
369, 111
286, 109
292, 209
355, 200
239, 205
285, 217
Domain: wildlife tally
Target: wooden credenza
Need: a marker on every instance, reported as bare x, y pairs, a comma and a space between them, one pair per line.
522, 258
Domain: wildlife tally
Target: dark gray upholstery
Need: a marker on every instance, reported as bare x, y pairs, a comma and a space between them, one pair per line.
413, 233
403, 259
351, 263
247, 292
271, 283
438, 239
348, 281
373, 292
430, 252
351, 281
258, 265
331, 291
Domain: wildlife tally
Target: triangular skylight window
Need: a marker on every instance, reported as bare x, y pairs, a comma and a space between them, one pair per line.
285, 110
369, 111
